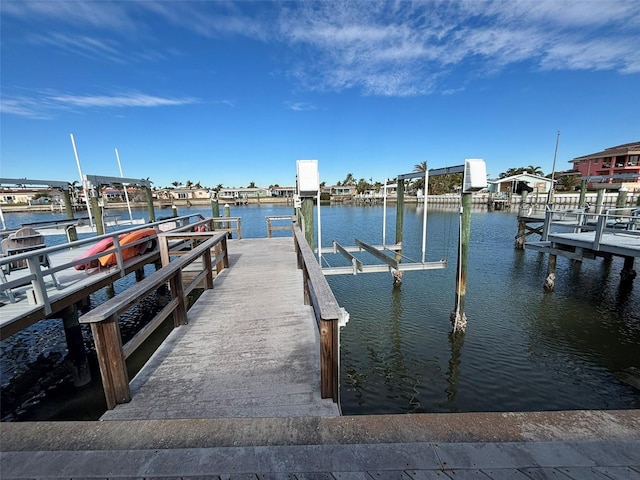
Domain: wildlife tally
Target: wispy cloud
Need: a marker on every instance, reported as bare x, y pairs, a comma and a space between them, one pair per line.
301, 106
399, 49
378, 47
47, 104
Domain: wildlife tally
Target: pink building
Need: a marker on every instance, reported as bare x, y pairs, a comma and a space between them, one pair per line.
616, 166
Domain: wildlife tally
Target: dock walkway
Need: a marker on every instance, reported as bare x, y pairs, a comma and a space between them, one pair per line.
250, 349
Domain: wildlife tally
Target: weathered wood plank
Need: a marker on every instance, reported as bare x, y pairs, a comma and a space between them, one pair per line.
251, 348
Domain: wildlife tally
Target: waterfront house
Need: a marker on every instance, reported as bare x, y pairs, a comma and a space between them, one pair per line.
233, 193
518, 183
611, 168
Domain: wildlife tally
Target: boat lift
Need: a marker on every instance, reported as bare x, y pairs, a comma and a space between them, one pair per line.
474, 171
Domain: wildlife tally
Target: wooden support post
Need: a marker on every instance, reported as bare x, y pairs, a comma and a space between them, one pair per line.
97, 215
583, 193
113, 368
150, 210
550, 282
77, 357
227, 213
72, 233
599, 200
622, 197
628, 273
307, 221
177, 291
174, 211
521, 235
458, 317
215, 208
397, 274
68, 208
329, 359
208, 267
139, 274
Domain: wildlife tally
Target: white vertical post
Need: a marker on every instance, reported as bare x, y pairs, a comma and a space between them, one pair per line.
384, 213
424, 216
319, 230
84, 187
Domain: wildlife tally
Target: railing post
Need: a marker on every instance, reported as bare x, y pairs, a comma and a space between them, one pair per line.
113, 369
239, 228
329, 359
208, 268
163, 245
600, 225
177, 291
547, 225
39, 289
226, 252
268, 227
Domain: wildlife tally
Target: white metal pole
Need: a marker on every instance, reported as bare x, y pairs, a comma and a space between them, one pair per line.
319, 232
84, 187
4, 225
126, 195
424, 215
384, 213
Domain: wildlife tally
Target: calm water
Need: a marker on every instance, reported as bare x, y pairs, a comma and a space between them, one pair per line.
524, 349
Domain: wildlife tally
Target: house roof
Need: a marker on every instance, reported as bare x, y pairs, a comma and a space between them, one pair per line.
519, 176
624, 149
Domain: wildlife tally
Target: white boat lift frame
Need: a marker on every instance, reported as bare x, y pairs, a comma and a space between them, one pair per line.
390, 263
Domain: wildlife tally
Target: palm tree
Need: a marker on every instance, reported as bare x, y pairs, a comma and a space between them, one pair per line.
349, 180
534, 170
420, 167
175, 184
189, 184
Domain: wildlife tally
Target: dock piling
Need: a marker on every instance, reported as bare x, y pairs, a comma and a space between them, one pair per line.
550, 282
458, 317
77, 357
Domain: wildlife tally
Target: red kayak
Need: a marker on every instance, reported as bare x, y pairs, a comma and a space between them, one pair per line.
101, 246
134, 250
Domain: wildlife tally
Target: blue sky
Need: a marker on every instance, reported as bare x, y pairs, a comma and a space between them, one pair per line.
235, 92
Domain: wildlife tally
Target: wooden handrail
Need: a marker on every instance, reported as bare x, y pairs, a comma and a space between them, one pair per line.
38, 272
104, 319
327, 312
274, 218
228, 228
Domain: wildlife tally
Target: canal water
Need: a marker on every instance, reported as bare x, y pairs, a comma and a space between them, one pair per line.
524, 349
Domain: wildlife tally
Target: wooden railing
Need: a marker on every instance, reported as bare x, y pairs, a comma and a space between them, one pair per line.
224, 223
289, 219
104, 319
327, 312
38, 271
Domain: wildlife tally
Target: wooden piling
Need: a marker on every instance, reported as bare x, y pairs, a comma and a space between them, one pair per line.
306, 212
77, 356
583, 193
113, 367
150, 209
599, 200
68, 208
397, 274
550, 282
458, 317
97, 215
628, 273
215, 208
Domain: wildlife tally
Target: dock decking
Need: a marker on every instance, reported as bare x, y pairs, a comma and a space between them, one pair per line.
250, 349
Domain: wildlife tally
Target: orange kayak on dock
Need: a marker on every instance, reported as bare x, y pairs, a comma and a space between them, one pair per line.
130, 252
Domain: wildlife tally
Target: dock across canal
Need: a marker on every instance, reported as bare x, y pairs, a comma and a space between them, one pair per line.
251, 347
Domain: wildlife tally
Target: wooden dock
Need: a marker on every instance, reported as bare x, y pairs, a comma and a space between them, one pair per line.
251, 347
578, 235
